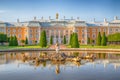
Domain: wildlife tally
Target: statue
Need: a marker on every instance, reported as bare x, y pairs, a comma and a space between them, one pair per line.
57, 15
57, 47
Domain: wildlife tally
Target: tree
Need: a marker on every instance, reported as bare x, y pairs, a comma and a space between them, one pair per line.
104, 40
51, 39
3, 38
23, 42
88, 40
99, 38
15, 41
75, 42
43, 40
11, 41
70, 41
64, 40
26, 41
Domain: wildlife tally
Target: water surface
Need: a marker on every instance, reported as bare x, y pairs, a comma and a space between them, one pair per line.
106, 66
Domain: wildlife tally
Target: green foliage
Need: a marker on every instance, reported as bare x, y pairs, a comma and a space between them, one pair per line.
104, 40
99, 38
3, 38
64, 40
70, 41
88, 40
13, 41
51, 39
114, 37
75, 42
43, 40
26, 41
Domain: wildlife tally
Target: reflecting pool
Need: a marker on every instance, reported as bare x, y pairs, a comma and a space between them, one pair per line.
13, 66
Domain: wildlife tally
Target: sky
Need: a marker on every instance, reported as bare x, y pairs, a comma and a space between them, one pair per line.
11, 10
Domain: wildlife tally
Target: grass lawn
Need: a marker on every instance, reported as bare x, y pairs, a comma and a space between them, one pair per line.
104, 47
19, 47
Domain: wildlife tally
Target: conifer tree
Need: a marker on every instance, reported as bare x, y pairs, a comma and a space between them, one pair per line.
99, 38
70, 41
51, 39
75, 42
43, 40
64, 40
26, 41
104, 40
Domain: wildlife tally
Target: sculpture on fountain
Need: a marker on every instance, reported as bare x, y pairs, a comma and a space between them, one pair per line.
57, 47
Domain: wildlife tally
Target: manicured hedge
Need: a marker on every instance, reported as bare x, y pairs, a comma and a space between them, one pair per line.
114, 37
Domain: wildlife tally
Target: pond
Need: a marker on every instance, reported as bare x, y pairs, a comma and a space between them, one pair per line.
105, 66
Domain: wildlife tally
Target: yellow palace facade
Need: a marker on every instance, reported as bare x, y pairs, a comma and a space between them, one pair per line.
58, 28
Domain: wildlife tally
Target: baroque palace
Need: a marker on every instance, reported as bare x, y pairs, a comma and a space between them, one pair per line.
58, 28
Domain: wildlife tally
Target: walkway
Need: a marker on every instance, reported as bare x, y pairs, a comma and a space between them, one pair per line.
61, 46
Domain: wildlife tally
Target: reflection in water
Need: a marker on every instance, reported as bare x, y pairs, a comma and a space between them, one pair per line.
40, 62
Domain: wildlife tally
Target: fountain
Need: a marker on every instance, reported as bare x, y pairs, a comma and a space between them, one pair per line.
57, 47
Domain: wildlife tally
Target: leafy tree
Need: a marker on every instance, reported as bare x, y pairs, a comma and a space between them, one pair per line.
98, 41
3, 38
43, 40
75, 42
64, 40
104, 40
26, 41
51, 39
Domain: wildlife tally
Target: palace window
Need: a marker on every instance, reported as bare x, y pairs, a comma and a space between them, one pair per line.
14, 30
116, 30
83, 35
94, 36
66, 31
104, 30
82, 41
83, 30
8, 30
93, 30
19, 36
111, 30
19, 30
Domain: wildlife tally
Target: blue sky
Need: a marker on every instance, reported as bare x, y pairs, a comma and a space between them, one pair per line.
10, 10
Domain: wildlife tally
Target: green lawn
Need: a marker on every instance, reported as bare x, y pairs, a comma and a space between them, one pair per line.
81, 46
106, 47
19, 47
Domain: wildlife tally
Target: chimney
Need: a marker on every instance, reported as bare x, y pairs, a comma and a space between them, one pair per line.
18, 20
35, 18
115, 18
105, 20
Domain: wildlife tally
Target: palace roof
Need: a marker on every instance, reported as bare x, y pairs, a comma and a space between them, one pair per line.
60, 23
